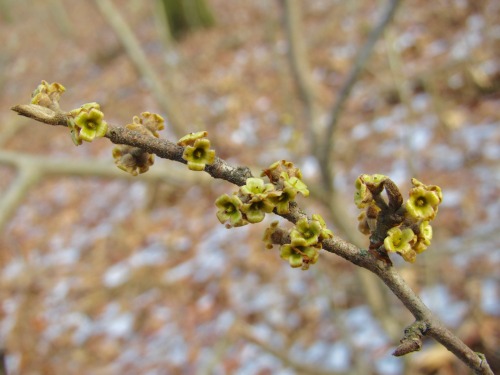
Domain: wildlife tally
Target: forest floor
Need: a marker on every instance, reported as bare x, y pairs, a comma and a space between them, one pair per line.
108, 274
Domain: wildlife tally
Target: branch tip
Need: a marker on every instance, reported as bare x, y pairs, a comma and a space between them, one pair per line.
412, 340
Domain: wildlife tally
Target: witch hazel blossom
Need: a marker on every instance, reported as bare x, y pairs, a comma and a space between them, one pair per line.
410, 232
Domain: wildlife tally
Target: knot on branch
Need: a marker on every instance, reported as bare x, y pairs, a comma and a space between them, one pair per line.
412, 340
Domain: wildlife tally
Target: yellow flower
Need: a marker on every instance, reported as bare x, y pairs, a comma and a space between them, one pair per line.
423, 203
362, 195
423, 238
400, 241
86, 123
198, 155
299, 256
229, 210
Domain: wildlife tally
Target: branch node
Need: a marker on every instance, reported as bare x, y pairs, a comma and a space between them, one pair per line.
412, 340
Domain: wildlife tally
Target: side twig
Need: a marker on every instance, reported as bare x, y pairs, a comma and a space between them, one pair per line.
301, 74
299, 64
336, 110
139, 59
32, 168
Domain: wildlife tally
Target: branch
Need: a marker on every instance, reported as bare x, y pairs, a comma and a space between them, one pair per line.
358, 65
297, 58
301, 73
139, 59
31, 169
238, 175
243, 330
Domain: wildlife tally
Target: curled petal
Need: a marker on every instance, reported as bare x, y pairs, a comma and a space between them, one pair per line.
191, 138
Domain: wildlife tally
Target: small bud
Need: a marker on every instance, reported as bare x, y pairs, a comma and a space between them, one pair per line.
48, 95
191, 138
268, 233
149, 124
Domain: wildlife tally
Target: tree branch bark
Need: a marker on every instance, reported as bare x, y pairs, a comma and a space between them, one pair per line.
237, 175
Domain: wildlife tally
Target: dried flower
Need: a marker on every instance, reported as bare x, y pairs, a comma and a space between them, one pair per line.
47, 95
131, 159
149, 124
191, 138
268, 233
274, 171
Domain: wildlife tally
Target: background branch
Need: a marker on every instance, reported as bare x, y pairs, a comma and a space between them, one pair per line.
139, 59
359, 63
31, 169
299, 64
301, 73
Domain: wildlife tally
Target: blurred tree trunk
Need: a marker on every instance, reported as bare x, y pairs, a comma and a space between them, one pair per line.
183, 16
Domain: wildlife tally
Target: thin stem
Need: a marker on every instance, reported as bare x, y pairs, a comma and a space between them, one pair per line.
299, 64
138, 57
31, 169
336, 110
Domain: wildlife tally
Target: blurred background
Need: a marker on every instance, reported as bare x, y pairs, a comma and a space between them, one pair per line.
102, 273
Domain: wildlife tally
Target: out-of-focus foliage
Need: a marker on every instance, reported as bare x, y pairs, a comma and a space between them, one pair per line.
123, 277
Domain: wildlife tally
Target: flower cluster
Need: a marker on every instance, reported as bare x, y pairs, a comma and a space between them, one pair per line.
256, 198
135, 160
47, 95
197, 150
249, 205
286, 177
86, 123
410, 232
306, 237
